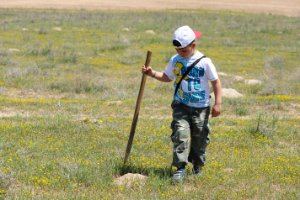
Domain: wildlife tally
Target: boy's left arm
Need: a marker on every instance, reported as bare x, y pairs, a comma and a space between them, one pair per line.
216, 110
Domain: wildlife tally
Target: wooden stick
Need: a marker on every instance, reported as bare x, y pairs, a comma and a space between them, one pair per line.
137, 109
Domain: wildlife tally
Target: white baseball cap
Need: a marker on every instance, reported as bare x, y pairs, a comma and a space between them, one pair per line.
184, 36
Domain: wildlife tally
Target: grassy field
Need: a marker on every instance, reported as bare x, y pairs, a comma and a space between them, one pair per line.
68, 86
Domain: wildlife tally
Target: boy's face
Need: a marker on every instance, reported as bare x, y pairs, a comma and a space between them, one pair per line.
186, 51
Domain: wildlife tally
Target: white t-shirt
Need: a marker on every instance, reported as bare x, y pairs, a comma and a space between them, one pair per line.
194, 88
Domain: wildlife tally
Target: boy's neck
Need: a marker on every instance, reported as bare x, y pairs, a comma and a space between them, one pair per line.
192, 54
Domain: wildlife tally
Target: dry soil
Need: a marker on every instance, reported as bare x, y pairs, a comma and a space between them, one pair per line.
281, 7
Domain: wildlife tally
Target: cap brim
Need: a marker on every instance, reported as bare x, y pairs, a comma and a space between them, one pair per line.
198, 34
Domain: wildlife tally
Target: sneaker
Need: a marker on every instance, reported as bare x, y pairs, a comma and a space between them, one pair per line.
178, 176
197, 170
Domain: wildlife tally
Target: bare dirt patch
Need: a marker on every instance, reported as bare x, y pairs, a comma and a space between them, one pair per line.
28, 94
129, 179
13, 112
287, 7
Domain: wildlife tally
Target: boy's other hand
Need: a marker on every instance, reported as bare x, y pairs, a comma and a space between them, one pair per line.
216, 110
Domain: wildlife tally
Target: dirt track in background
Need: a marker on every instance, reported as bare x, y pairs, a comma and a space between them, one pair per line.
281, 7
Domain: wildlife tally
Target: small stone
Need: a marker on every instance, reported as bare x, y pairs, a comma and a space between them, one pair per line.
238, 78
126, 29
150, 32
13, 50
229, 93
222, 74
129, 179
57, 29
253, 82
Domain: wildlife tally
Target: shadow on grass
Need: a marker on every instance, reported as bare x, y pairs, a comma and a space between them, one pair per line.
129, 168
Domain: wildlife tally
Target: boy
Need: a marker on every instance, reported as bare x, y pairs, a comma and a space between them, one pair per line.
191, 103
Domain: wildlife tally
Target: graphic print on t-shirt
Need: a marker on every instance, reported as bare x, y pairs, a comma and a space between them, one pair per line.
189, 91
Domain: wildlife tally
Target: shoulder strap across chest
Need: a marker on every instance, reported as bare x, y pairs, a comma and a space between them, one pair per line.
186, 72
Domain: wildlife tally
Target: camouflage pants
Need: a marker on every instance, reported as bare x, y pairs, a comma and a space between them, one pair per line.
190, 134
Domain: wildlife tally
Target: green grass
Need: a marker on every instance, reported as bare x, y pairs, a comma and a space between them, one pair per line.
67, 99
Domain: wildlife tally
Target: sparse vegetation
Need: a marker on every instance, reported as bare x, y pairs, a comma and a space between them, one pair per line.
68, 85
